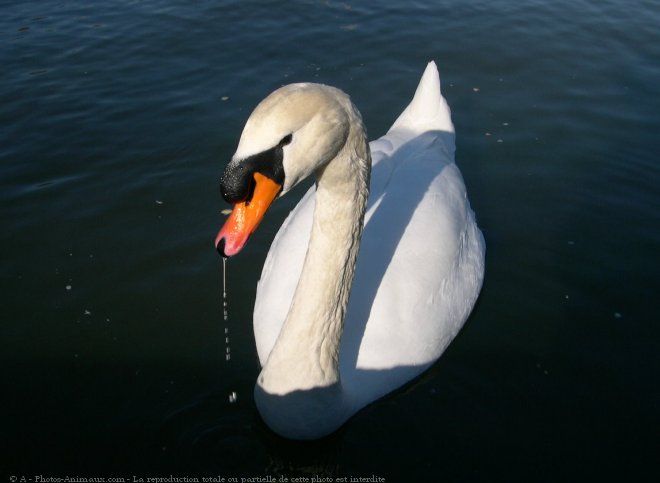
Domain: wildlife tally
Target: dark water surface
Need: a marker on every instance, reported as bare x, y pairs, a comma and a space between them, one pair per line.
116, 118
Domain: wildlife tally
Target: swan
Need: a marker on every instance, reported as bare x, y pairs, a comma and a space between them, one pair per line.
388, 223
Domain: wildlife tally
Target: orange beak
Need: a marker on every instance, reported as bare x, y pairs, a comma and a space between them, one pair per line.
246, 216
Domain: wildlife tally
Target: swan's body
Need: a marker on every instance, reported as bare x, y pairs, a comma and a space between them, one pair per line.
416, 278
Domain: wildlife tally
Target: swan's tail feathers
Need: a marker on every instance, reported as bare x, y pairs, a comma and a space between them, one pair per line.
428, 111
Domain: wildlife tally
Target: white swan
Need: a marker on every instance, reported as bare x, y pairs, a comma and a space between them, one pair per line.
420, 266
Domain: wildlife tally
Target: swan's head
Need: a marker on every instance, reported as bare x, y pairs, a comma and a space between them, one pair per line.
295, 132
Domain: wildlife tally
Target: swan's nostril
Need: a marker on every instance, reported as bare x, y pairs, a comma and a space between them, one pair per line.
250, 192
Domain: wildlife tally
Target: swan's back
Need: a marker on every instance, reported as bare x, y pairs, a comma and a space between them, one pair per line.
421, 261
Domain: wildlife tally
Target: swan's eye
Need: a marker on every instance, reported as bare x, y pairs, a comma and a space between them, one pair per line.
286, 140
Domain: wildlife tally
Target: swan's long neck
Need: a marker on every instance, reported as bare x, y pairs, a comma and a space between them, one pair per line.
305, 355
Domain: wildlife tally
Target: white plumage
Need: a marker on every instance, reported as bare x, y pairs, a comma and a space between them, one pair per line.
418, 274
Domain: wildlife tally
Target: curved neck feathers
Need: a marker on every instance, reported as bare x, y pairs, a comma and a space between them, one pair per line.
305, 354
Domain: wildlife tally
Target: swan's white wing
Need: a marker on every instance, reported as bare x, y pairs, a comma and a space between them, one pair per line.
418, 275
281, 273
